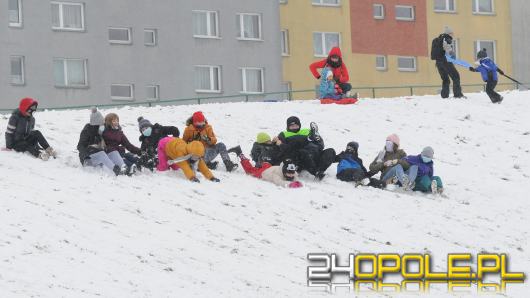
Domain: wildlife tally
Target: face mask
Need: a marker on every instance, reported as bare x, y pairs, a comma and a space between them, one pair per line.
101, 129
426, 159
389, 147
147, 132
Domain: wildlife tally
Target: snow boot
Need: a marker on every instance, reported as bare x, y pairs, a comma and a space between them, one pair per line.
320, 175
51, 152
434, 188
212, 165
237, 150
406, 183
116, 170
314, 135
230, 166
44, 155
131, 170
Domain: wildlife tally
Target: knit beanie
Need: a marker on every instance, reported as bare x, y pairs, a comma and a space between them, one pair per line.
482, 54
143, 123
448, 30
96, 118
393, 138
428, 152
263, 138
198, 117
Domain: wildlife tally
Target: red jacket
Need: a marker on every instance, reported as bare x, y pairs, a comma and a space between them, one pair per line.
340, 73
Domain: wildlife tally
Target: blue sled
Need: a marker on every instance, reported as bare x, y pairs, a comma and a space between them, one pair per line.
457, 62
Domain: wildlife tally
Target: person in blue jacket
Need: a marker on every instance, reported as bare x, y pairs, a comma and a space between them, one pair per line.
327, 85
488, 69
351, 168
425, 180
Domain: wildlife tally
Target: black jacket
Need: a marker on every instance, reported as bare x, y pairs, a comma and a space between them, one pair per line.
90, 142
158, 132
18, 128
261, 153
437, 47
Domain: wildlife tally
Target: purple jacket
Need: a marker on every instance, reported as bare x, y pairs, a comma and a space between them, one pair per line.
115, 139
424, 169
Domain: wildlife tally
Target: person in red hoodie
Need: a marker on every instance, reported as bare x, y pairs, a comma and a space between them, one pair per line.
340, 72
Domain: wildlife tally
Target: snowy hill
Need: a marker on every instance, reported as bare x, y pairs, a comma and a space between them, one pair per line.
71, 232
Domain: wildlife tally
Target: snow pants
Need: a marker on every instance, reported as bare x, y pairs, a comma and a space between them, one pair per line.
448, 70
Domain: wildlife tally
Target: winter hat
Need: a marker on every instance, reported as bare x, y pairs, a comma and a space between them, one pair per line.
448, 30
329, 73
25, 104
353, 145
96, 118
263, 137
293, 120
393, 138
143, 123
198, 117
482, 54
428, 152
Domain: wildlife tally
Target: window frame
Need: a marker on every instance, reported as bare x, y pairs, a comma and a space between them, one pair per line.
113, 41
478, 12
61, 18
131, 87
385, 60
212, 81
412, 8
415, 69
285, 41
478, 47
157, 92
155, 37
65, 72
382, 17
20, 20
321, 3
208, 21
241, 32
244, 79
325, 51
447, 10
22, 70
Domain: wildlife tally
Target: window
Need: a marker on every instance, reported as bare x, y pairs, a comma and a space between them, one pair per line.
122, 91
205, 24
207, 79
483, 6
380, 62
456, 48
252, 80
283, 1
15, 13
17, 70
489, 45
249, 26
326, 2
285, 42
151, 92
407, 63
150, 37
379, 11
444, 5
68, 16
70, 72
404, 13
120, 35
323, 42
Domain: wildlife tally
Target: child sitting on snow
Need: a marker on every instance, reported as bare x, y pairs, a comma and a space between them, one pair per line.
151, 135
351, 168
264, 150
327, 85
21, 134
115, 140
423, 164
283, 175
183, 154
488, 69
392, 165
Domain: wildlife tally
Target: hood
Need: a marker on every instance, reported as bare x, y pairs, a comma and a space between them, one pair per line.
335, 51
25, 104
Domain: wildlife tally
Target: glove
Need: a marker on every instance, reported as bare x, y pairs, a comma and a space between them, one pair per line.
194, 179
390, 163
295, 184
471, 69
500, 71
215, 179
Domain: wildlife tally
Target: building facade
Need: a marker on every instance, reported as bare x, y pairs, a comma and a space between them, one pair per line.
521, 40
387, 43
68, 53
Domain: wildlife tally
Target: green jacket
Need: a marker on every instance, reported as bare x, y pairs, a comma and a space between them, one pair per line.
378, 164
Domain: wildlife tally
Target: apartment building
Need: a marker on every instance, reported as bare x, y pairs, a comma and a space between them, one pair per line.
521, 39
67, 53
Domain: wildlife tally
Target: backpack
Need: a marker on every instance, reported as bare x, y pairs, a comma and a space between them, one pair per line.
437, 50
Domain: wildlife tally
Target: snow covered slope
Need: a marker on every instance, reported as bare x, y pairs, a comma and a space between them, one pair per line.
72, 232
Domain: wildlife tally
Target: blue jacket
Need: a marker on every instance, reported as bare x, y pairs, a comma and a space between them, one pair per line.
327, 88
348, 161
487, 66
424, 169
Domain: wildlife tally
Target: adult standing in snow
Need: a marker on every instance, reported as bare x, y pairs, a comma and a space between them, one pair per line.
91, 147
305, 147
392, 165
198, 129
488, 69
425, 181
149, 138
338, 67
442, 45
21, 135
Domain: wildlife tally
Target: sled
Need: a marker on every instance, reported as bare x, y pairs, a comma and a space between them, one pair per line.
5, 149
457, 62
342, 101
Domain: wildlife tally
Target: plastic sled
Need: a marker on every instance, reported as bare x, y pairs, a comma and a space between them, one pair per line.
342, 101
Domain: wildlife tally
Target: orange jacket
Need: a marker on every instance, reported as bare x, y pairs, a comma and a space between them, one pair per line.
191, 133
176, 148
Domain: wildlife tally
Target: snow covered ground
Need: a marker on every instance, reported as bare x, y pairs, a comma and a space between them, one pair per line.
71, 232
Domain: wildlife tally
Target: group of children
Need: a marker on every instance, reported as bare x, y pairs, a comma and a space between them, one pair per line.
102, 143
